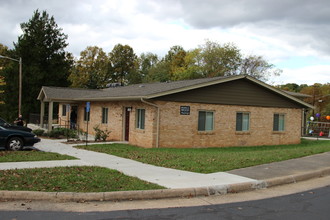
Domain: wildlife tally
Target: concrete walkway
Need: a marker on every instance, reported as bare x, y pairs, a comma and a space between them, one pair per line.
169, 178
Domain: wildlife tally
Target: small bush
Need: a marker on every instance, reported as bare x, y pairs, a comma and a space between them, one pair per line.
101, 134
38, 132
62, 132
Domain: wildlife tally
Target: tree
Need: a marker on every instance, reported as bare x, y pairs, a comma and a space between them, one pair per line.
146, 62
3, 51
220, 60
91, 70
159, 72
258, 67
123, 62
191, 68
45, 62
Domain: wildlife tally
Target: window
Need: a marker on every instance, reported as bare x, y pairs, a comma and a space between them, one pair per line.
140, 115
63, 110
242, 121
278, 124
104, 115
205, 121
86, 115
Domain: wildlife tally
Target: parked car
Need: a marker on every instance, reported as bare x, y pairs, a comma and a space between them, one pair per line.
16, 139
5, 124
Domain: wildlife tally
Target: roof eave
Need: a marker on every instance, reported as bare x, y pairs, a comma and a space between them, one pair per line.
124, 98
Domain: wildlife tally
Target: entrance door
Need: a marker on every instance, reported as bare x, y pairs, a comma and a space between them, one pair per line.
127, 116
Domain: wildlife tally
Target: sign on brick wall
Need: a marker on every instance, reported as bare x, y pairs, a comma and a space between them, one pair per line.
184, 110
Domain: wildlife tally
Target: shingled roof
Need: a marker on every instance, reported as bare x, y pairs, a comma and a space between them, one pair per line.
145, 90
136, 91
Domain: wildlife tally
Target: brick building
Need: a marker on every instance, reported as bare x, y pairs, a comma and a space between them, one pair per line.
209, 112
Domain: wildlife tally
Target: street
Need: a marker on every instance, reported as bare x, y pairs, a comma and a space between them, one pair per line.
308, 204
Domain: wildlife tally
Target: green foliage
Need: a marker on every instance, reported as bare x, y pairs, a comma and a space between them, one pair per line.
61, 133
209, 160
101, 134
71, 179
45, 63
292, 87
146, 62
92, 70
258, 67
220, 60
209, 60
123, 63
39, 132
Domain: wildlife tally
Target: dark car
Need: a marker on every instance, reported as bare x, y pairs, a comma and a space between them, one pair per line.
16, 139
5, 124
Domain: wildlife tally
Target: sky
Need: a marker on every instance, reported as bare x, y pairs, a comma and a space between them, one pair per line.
294, 35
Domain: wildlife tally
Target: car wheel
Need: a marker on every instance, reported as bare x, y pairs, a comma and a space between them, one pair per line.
15, 144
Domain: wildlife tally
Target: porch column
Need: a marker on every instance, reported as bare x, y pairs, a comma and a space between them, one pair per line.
42, 113
50, 116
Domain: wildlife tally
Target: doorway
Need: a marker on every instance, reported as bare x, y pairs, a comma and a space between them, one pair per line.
127, 120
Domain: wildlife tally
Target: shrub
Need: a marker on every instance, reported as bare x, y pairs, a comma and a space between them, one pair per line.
38, 132
101, 134
62, 132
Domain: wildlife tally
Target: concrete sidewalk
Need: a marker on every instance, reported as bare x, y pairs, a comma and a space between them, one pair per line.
180, 183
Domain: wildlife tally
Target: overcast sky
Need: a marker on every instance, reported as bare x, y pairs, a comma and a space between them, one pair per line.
294, 35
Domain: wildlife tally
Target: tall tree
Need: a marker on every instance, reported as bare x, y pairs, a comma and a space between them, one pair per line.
220, 60
146, 62
3, 52
123, 62
91, 70
258, 67
191, 67
45, 62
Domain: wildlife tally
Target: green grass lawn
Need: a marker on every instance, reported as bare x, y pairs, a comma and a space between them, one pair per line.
31, 155
71, 179
210, 160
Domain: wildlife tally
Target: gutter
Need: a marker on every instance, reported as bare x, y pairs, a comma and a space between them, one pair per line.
158, 114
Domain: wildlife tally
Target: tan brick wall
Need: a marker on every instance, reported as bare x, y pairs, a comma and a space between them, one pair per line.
114, 124
182, 130
116, 117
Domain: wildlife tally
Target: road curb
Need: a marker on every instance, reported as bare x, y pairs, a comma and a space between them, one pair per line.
163, 193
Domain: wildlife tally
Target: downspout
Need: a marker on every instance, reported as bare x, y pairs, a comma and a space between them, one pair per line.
158, 113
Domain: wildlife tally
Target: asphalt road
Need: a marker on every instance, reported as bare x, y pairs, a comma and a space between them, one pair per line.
312, 204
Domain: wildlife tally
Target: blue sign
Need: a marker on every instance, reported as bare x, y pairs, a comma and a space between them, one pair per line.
88, 106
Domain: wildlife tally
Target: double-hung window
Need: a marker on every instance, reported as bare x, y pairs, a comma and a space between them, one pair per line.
105, 115
140, 118
279, 122
205, 120
86, 115
242, 121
